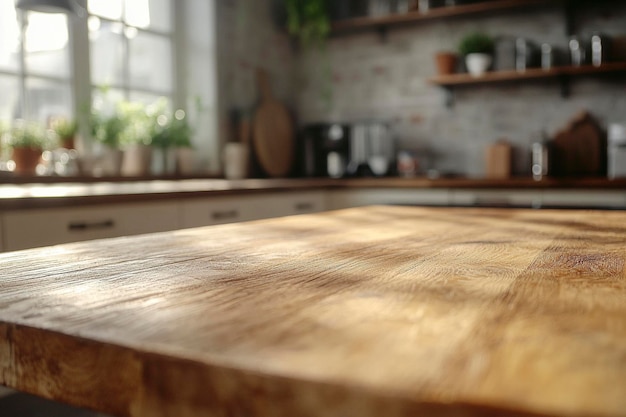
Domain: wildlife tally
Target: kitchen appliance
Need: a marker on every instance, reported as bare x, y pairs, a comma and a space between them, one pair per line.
325, 149
339, 149
617, 150
371, 149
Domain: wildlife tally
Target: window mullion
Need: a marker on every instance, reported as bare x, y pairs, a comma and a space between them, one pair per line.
81, 73
23, 22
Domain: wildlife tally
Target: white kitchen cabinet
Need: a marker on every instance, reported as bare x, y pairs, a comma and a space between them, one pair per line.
496, 198
219, 210
42, 227
607, 199
344, 198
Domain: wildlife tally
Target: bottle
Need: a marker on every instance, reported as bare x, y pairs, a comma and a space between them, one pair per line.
540, 160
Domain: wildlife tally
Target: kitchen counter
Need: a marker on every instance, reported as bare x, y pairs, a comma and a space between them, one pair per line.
375, 311
46, 194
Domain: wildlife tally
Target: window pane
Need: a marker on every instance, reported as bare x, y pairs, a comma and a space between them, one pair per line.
107, 54
148, 99
104, 100
111, 9
47, 99
10, 98
9, 36
152, 14
150, 62
47, 50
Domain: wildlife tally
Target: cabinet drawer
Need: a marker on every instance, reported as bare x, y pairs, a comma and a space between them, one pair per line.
43, 227
496, 198
401, 196
288, 204
218, 210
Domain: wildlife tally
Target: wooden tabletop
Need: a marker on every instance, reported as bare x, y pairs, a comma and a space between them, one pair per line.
377, 311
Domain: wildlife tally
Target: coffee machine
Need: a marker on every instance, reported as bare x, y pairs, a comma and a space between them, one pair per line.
325, 150
337, 150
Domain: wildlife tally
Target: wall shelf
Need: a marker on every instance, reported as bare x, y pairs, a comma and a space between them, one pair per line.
562, 74
453, 80
381, 23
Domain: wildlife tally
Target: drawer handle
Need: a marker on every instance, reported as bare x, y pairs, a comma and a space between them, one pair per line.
79, 226
225, 215
305, 206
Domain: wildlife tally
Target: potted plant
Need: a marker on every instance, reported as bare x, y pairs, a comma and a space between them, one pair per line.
308, 21
171, 134
135, 138
446, 62
477, 48
66, 131
27, 141
106, 130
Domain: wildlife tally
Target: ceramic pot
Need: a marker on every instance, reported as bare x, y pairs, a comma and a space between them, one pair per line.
235, 161
137, 160
185, 161
446, 63
26, 160
477, 64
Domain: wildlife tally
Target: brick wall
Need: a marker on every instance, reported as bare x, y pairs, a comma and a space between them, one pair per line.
372, 78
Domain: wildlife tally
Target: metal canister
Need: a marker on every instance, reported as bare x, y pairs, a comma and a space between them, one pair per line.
540, 161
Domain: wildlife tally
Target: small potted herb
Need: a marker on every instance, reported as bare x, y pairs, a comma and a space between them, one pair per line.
66, 131
27, 141
477, 48
171, 134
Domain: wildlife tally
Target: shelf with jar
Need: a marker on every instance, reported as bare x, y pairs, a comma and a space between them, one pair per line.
520, 59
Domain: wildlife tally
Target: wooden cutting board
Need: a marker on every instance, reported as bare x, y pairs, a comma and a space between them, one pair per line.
273, 132
579, 149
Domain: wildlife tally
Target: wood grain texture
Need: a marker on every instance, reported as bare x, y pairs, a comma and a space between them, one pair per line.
377, 311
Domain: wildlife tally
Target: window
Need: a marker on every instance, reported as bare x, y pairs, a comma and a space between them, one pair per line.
54, 66
34, 65
131, 43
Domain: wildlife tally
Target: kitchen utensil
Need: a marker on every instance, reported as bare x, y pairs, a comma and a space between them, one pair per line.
273, 132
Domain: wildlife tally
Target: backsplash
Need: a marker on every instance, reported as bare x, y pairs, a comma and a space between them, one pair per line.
387, 79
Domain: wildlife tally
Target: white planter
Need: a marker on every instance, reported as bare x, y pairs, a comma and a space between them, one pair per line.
111, 161
235, 161
137, 160
185, 161
477, 64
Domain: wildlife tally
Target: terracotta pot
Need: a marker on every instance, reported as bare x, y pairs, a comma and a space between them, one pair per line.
26, 160
446, 62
